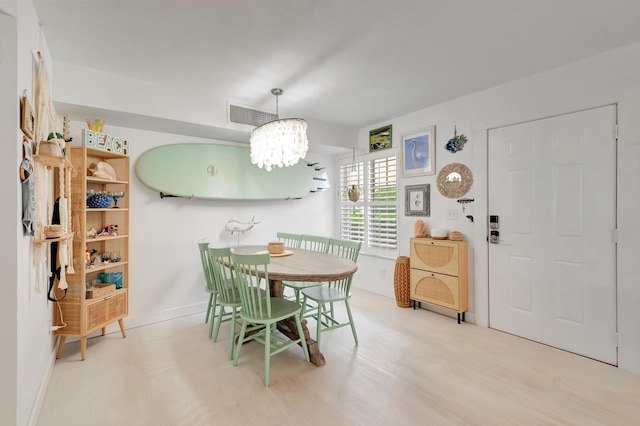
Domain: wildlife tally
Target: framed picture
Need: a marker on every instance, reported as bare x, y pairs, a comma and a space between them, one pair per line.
418, 153
417, 200
28, 120
380, 138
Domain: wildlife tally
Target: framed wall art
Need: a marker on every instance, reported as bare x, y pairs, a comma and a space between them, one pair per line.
418, 153
417, 200
380, 138
27, 119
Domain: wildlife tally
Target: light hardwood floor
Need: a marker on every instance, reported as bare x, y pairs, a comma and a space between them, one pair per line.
410, 368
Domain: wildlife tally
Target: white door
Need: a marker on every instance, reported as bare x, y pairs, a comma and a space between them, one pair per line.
552, 274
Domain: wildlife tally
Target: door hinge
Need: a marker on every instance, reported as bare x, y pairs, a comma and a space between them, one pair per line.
616, 131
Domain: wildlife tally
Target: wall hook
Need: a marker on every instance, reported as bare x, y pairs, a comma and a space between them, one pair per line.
470, 217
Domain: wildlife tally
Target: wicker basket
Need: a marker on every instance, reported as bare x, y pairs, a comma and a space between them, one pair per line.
100, 290
275, 247
456, 236
402, 282
53, 231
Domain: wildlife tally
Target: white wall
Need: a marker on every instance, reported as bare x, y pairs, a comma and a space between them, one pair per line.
613, 77
27, 351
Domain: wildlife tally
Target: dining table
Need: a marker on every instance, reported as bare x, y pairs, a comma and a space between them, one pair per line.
301, 265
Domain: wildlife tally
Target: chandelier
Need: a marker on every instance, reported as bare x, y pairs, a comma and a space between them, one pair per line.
279, 142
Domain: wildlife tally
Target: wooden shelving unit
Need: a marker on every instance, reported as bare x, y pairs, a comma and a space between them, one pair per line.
81, 315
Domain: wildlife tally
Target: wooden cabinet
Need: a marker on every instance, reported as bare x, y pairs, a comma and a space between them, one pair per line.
83, 315
439, 274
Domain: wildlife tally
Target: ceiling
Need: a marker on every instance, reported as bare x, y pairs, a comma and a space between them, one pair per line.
345, 62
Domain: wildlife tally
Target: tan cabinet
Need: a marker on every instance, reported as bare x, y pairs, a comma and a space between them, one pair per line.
439, 274
84, 312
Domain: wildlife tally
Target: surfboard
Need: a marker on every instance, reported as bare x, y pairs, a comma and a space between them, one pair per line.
223, 172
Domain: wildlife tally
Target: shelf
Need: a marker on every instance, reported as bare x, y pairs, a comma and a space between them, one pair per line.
97, 152
105, 238
104, 266
52, 240
52, 161
110, 209
106, 181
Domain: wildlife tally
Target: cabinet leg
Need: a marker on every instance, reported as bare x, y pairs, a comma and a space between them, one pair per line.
60, 346
104, 330
121, 323
83, 348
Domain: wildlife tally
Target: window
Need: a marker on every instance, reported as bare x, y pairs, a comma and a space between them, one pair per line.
372, 219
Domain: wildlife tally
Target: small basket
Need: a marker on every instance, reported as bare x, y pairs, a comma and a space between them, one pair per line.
49, 148
456, 236
100, 290
53, 231
275, 247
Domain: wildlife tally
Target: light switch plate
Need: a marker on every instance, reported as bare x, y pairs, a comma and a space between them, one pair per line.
452, 214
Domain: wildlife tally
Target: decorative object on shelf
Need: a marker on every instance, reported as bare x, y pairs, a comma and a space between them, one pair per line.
464, 201
380, 138
27, 119
456, 143
108, 231
102, 170
419, 229
98, 201
105, 142
417, 200
96, 124
456, 236
402, 282
116, 195
454, 180
439, 234
281, 142
418, 153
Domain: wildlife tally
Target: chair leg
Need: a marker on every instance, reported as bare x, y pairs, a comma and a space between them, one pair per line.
319, 324
233, 331
267, 354
353, 326
305, 349
218, 322
209, 309
243, 330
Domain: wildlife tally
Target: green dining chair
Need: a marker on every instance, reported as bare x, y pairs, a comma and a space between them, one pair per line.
335, 291
203, 247
260, 309
228, 293
289, 239
313, 243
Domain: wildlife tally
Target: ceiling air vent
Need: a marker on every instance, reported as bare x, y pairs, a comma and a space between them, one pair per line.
251, 117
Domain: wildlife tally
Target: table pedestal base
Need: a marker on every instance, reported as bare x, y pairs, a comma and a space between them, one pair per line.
289, 329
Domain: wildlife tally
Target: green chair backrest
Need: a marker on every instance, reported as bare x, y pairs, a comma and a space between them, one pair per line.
315, 243
223, 274
345, 248
348, 250
251, 271
203, 247
290, 240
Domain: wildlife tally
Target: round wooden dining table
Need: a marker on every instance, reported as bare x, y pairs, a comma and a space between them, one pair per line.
301, 265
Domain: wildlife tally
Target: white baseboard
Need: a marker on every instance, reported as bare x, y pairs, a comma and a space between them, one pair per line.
42, 390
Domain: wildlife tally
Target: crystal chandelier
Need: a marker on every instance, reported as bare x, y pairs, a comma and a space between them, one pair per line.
279, 142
